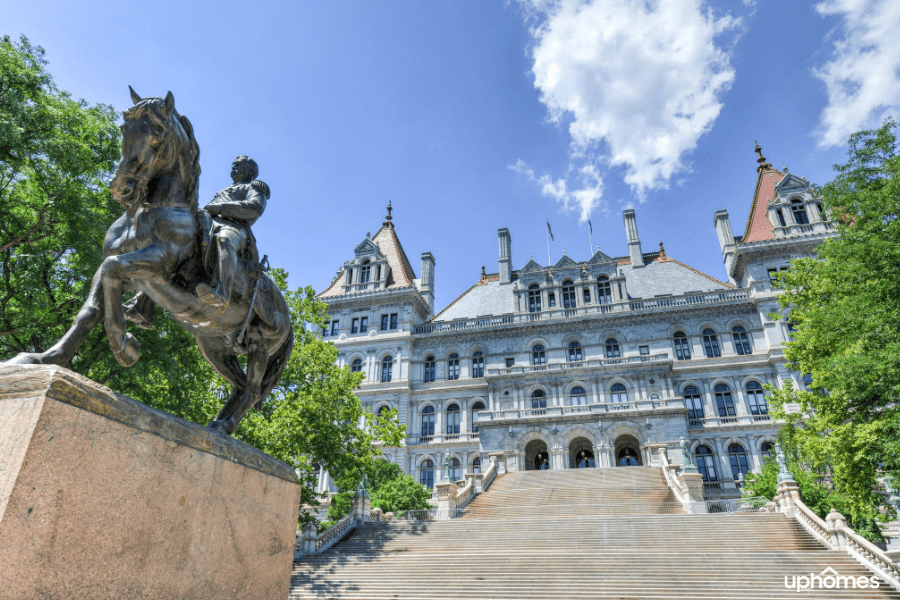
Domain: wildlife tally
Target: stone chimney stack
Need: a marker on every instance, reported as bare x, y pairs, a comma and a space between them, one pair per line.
634, 242
726, 240
505, 255
426, 281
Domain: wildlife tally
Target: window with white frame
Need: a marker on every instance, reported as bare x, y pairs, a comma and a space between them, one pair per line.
724, 400
476, 465
756, 399
534, 298
356, 366
453, 420
478, 364
427, 421
575, 354
741, 341
453, 366
737, 456
430, 369
682, 346
578, 396
387, 368
612, 348
711, 344
706, 463
618, 393
475, 408
538, 355
604, 293
426, 474
694, 402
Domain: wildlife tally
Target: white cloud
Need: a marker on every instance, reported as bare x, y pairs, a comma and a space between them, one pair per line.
863, 78
638, 81
585, 200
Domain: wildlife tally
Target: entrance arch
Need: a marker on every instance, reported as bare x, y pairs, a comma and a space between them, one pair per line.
581, 454
536, 455
628, 451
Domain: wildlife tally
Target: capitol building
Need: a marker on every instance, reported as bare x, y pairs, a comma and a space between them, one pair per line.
589, 362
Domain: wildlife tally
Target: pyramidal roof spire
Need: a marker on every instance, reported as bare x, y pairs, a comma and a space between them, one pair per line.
388, 218
761, 160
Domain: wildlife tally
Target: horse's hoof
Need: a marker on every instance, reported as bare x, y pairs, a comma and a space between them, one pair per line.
129, 352
219, 427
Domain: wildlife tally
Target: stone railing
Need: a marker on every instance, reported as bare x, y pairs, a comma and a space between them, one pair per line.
465, 494
689, 300
487, 478
597, 362
308, 542
834, 533
559, 411
441, 438
740, 420
462, 324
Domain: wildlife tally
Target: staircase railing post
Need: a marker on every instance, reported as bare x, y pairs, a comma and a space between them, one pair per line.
836, 522
446, 496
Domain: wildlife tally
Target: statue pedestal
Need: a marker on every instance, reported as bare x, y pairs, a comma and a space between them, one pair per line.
103, 497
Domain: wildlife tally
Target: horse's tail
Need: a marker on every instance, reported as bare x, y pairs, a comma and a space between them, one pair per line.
277, 363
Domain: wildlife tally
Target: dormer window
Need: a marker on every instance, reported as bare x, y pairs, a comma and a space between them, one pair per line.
568, 294
799, 211
378, 273
534, 298
780, 216
604, 293
364, 272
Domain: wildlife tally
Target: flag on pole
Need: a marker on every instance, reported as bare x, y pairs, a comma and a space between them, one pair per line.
591, 226
550, 231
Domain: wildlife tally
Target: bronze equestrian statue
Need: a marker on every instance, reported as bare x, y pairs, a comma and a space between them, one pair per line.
200, 265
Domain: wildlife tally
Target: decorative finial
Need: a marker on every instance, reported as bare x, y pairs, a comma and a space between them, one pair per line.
762, 159
368, 235
483, 274
564, 251
388, 218
662, 251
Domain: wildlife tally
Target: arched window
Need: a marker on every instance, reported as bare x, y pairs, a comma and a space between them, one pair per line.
756, 399
478, 364
387, 368
453, 419
534, 298
738, 458
604, 292
706, 463
807, 380
429, 369
724, 401
538, 356
741, 342
568, 294
475, 408
711, 344
364, 272
694, 402
455, 470
538, 400
453, 366
579, 398
612, 348
682, 346
356, 365
575, 352
426, 474
766, 449
476, 465
427, 421
799, 212
619, 393
383, 410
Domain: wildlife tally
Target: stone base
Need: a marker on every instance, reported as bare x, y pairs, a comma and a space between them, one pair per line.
104, 497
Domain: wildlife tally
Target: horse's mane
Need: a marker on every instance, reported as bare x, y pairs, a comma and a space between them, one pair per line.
153, 107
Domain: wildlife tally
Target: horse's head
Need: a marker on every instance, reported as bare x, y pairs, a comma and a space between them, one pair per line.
155, 140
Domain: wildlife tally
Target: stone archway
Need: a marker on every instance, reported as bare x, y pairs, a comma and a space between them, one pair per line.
581, 453
536, 455
628, 451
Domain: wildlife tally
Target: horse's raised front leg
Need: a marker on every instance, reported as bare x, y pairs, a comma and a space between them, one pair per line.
63, 351
141, 265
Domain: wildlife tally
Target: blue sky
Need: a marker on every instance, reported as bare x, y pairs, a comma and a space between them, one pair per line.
471, 116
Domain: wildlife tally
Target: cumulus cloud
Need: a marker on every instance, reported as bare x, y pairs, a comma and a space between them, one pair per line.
862, 79
637, 81
585, 199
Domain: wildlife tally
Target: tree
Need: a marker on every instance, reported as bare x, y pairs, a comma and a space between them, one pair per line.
847, 328
389, 489
403, 493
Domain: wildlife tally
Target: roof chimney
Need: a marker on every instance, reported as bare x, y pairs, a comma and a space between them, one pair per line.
634, 242
505, 255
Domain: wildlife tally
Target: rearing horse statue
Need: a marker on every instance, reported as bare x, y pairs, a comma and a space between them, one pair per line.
158, 247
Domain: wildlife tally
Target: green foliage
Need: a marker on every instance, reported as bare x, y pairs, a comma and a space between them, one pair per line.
389, 489
57, 156
403, 493
848, 328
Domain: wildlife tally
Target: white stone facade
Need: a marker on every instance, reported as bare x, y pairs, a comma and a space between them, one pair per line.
536, 394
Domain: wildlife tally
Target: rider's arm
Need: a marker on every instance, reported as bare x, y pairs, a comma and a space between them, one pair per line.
244, 210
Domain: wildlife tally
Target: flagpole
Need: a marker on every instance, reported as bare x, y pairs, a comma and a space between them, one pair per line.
549, 262
591, 247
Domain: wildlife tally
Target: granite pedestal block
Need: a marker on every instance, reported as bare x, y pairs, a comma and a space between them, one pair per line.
104, 497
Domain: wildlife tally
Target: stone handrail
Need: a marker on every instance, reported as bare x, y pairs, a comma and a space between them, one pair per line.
673, 483
558, 411
487, 478
594, 362
738, 420
457, 325
465, 494
836, 535
334, 534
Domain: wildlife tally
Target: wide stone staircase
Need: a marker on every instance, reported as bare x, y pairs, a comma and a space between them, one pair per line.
513, 553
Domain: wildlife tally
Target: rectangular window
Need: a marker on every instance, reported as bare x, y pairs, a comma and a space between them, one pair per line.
325, 331
772, 274
780, 217
551, 300
384, 322
510, 362
587, 295
645, 350
354, 326
363, 324
394, 321
335, 325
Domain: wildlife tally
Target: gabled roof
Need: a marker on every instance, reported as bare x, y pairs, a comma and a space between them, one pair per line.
388, 244
791, 181
531, 267
758, 225
599, 258
565, 263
